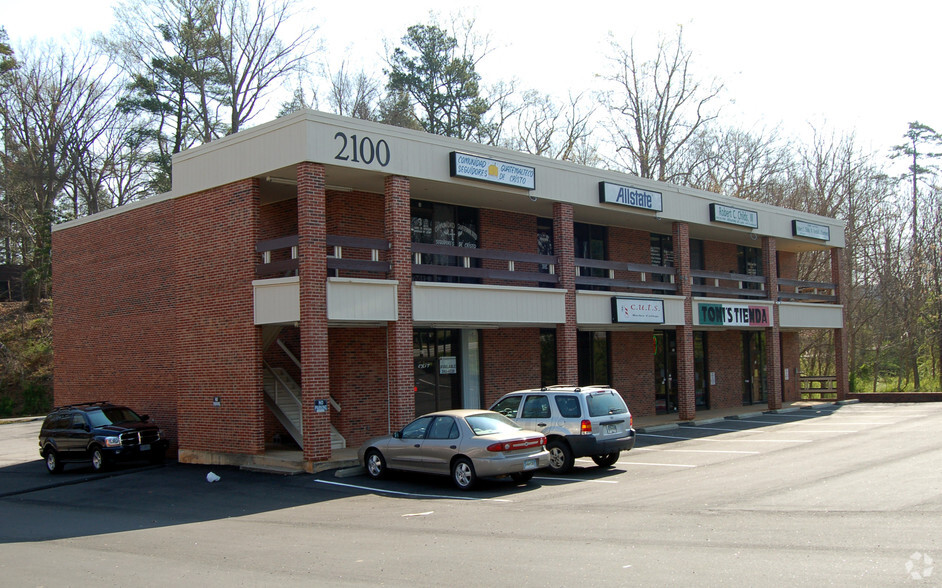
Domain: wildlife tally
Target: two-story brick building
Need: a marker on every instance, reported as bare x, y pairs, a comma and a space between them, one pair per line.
331, 278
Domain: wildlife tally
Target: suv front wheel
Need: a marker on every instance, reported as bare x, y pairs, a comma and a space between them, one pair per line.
561, 459
99, 464
52, 461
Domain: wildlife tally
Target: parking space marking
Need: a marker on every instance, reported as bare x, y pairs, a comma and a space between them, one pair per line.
412, 494
719, 429
730, 440
663, 465
570, 480
696, 450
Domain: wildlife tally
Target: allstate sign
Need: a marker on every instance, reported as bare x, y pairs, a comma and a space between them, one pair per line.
629, 196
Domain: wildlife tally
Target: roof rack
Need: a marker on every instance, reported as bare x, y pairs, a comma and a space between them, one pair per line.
78, 404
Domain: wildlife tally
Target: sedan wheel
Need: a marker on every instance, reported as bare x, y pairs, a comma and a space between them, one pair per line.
607, 460
98, 460
375, 464
462, 474
52, 462
560, 457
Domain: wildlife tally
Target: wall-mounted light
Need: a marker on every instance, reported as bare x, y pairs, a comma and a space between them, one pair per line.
277, 180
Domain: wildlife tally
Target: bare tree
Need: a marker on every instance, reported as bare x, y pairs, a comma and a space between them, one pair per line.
655, 107
56, 106
252, 54
356, 95
560, 131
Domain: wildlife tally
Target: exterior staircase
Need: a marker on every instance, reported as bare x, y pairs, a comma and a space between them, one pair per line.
283, 398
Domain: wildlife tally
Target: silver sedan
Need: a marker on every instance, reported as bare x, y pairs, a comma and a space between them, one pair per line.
463, 444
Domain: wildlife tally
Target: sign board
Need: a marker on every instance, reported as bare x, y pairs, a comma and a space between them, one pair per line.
448, 364
491, 170
811, 230
734, 315
628, 196
320, 405
637, 310
733, 216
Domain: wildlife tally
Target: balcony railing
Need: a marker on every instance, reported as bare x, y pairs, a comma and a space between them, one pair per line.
529, 272
639, 276
727, 284
356, 254
806, 291
280, 256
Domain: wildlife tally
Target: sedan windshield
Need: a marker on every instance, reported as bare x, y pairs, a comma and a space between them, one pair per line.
489, 423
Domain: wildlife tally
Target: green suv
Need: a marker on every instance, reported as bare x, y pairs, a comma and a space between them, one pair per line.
577, 421
99, 433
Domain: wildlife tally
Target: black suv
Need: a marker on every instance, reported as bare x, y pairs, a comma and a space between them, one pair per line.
100, 433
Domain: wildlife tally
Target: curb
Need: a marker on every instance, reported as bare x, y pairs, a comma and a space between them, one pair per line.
698, 423
745, 415
350, 472
656, 428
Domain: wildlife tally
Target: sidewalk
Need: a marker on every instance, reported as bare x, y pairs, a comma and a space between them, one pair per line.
663, 421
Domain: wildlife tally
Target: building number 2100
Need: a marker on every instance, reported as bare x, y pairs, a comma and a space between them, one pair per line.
362, 149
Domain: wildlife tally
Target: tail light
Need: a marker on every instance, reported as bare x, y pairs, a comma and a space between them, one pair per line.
514, 445
586, 427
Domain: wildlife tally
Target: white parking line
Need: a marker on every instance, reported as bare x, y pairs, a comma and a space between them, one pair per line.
663, 465
730, 440
719, 429
570, 480
413, 494
695, 450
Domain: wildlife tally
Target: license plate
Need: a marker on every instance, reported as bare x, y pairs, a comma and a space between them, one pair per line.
611, 429
530, 464
145, 447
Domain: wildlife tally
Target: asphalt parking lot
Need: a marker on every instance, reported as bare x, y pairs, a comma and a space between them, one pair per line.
834, 495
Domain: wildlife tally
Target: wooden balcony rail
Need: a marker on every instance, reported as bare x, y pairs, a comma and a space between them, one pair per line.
433, 266
807, 291
717, 283
280, 256
650, 277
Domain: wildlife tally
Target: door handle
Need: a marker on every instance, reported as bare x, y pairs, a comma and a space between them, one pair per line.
417, 445
452, 447
541, 424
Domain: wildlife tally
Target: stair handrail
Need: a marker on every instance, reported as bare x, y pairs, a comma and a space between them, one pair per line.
284, 385
297, 362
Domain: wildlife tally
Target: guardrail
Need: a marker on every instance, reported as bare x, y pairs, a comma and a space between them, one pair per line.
818, 387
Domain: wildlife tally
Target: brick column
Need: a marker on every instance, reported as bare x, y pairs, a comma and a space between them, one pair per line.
686, 391
842, 368
773, 341
401, 384
567, 361
312, 272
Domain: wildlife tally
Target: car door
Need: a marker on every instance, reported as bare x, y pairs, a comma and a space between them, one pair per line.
440, 445
76, 436
535, 412
404, 451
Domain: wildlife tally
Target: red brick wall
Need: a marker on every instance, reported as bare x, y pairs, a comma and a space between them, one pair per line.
510, 360
632, 368
278, 220
356, 214
790, 357
114, 332
788, 265
508, 231
358, 383
219, 346
725, 360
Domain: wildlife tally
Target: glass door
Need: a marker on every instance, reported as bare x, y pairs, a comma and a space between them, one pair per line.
753, 367
665, 372
437, 375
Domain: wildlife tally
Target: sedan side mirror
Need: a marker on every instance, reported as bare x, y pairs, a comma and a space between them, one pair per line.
397, 435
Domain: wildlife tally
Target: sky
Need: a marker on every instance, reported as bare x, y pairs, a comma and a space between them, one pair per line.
842, 67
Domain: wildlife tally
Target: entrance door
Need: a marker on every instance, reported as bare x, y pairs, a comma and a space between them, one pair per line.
665, 372
753, 367
437, 379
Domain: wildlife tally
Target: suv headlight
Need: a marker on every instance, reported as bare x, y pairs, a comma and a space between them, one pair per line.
112, 441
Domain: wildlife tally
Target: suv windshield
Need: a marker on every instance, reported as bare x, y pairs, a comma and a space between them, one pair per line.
112, 415
604, 403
